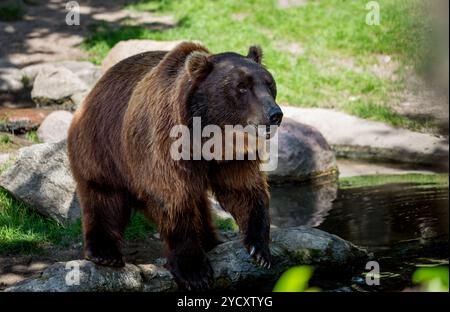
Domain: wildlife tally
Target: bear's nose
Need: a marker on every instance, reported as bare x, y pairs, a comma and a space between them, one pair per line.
276, 115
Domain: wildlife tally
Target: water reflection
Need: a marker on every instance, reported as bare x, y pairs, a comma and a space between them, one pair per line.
376, 217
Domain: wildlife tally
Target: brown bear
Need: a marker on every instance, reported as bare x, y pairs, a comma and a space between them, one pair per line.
119, 151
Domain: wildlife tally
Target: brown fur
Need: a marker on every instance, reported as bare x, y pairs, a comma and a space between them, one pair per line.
119, 151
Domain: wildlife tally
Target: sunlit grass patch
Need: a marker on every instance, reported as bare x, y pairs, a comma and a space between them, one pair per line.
438, 180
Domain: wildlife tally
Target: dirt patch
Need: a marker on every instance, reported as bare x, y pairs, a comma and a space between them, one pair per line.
43, 35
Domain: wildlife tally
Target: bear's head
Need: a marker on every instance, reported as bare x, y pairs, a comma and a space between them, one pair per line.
233, 89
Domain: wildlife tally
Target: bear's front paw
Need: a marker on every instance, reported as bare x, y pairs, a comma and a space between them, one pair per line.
106, 257
260, 252
191, 273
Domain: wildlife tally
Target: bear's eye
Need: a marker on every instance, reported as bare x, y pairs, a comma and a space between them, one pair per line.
242, 88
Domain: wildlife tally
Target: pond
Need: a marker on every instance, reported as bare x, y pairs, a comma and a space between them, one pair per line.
404, 224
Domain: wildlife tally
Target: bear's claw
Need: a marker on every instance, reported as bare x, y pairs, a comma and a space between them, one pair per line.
261, 255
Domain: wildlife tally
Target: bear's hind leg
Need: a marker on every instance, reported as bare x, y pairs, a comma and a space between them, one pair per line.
105, 216
187, 260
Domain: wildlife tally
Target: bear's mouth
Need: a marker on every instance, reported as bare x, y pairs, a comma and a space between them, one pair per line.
264, 131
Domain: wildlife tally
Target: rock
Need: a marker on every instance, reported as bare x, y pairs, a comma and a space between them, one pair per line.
4, 158
57, 278
303, 154
78, 98
41, 178
353, 137
10, 80
54, 128
55, 85
127, 48
86, 71
20, 120
233, 267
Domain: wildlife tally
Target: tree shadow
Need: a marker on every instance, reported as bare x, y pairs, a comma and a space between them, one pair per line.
43, 35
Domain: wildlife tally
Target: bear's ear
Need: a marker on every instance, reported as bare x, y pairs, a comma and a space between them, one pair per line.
255, 53
198, 65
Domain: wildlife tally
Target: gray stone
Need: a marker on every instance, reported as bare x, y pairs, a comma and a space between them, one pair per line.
58, 278
86, 71
41, 178
233, 267
55, 127
127, 48
358, 138
10, 80
303, 153
55, 85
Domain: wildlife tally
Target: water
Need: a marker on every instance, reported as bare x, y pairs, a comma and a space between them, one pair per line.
404, 225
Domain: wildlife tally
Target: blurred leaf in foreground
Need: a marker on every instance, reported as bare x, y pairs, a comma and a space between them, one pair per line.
296, 280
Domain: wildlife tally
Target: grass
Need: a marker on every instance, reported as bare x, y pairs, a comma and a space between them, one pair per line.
24, 231
33, 137
336, 51
11, 12
439, 180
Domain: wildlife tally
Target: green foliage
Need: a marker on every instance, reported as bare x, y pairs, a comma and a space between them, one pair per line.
439, 180
33, 137
11, 12
322, 54
432, 279
24, 231
139, 228
296, 279
226, 224
5, 139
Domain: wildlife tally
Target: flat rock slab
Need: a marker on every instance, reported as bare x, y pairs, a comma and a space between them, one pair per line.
233, 267
354, 137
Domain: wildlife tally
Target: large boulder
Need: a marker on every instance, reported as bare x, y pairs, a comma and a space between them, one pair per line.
55, 127
233, 267
86, 71
41, 177
353, 137
124, 49
303, 154
54, 86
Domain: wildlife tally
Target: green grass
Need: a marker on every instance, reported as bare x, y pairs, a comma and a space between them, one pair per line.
5, 139
339, 51
24, 231
33, 137
439, 180
11, 12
